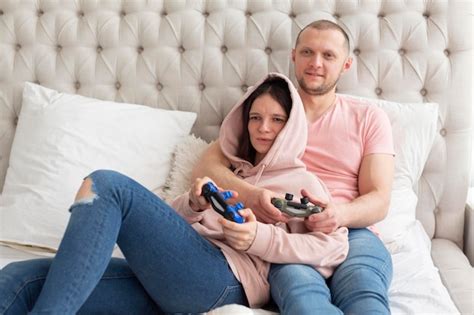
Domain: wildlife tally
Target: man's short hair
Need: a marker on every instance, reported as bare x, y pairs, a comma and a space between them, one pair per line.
326, 25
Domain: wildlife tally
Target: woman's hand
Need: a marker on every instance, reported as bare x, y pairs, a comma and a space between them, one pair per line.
197, 202
240, 236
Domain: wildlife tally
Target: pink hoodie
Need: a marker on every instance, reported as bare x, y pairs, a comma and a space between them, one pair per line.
281, 171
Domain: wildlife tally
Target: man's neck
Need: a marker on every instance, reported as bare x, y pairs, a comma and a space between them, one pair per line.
316, 105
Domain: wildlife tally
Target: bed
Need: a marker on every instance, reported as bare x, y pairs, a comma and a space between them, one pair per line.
413, 58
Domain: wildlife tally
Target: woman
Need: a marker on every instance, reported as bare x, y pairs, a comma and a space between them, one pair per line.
187, 260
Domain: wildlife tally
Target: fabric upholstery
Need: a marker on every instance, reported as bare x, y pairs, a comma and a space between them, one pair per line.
202, 55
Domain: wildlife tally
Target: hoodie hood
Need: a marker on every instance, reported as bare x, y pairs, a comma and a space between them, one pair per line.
283, 158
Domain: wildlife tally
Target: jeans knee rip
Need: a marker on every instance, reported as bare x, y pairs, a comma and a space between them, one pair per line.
86, 200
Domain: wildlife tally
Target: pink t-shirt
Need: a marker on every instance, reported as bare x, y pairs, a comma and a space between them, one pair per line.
340, 138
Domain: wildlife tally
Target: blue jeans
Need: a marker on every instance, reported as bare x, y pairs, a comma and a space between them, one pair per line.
358, 286
169, 267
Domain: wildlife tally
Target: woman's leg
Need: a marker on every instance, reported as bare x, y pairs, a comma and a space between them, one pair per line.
300, 289
360, 284
180, 270
118, 292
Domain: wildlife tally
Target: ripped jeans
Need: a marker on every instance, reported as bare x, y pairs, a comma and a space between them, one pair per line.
169, 267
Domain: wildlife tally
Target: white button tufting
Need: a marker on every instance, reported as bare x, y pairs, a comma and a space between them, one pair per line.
443, 132
181, 49
224, 49
378, 91
118, 85
402, 52
268, 50
244, 87
423, 92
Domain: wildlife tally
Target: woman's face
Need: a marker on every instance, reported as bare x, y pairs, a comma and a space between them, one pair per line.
266, 119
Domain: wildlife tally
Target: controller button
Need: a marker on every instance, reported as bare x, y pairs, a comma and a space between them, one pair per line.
304, 200
288, 196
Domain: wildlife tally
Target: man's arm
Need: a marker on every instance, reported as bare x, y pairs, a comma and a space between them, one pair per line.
375, 184
215, 165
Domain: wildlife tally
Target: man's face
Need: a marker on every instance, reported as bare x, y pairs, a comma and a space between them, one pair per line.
320, 58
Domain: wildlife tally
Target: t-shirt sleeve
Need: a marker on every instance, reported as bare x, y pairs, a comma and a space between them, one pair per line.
378, 133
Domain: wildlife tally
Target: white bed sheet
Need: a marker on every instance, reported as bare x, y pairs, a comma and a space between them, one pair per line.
416, 287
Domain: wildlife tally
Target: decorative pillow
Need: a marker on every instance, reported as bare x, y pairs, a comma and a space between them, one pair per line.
61, 138
179, 178
414, 127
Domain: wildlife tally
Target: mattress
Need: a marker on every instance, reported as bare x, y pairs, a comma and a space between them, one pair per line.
416, 287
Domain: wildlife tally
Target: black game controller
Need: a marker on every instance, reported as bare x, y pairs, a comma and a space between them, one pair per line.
217, 200
296, 209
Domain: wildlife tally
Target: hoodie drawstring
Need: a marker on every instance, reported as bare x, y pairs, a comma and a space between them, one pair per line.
259, 174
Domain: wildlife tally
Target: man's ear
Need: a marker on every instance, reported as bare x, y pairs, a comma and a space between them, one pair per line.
347, 63
293, 53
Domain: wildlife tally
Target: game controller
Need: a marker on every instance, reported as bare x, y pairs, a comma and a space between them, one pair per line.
296, 209
218, 202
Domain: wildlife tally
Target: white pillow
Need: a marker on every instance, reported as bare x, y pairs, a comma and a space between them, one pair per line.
414, 127
61, 138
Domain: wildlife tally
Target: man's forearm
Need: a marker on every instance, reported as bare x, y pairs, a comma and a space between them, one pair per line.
215, 165
365, 210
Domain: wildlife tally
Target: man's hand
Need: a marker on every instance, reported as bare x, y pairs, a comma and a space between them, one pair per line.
260, 201
327, 221
240, 236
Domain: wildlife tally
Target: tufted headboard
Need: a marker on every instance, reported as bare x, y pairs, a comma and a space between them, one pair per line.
201, 56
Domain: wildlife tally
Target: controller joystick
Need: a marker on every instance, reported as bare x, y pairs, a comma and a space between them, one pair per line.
218, 202
296, 209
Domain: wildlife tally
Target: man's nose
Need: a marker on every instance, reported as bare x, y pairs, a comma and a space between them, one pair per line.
316, 60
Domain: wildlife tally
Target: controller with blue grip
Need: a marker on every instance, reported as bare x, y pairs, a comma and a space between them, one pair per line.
218, 202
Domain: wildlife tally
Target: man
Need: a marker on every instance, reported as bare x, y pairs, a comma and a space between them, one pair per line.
350, 148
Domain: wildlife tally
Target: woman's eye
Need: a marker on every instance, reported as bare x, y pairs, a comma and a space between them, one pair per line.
254, 118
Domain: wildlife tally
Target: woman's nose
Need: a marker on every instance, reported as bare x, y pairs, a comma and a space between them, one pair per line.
264, 126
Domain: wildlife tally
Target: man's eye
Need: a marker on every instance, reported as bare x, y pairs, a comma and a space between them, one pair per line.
306, 52
328, 56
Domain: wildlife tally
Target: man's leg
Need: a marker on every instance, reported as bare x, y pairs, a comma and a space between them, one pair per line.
360, 284
300, 289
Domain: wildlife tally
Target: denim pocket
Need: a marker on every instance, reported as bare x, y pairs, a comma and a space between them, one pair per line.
233, 294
